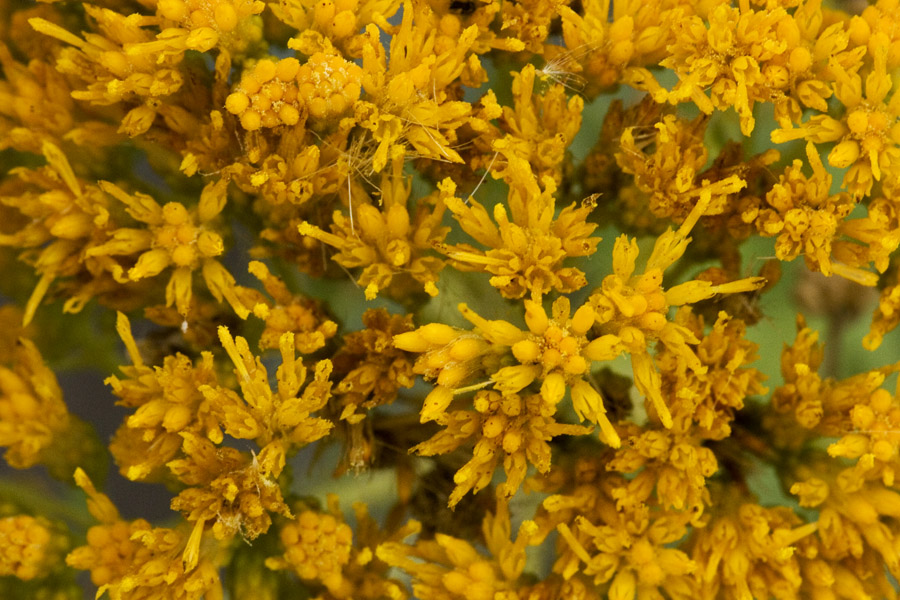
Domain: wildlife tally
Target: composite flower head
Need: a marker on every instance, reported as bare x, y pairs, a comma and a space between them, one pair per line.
172, 236
132, 558
166, 402
392, 243
527, 241
631, 309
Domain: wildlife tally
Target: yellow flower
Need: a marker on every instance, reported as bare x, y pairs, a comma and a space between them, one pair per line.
854, 519
752, 551
451, 568
674, 464
629, 556
867, 135
510, 428
167, 402
631, 309
35, 424
128, 63
29, 547
673, 175
317, 547
133, 559
282, 417
371, 372
875, 30
323, 23
173, 236
539, 127
529, 242
36, 98
806, 218
390, 243
411, 101
231, 489
301, 316
34, 411
225, 23
729, 58
885, 318
608, 45
555, 352
711, 397
67, 217
324, 552
273, 94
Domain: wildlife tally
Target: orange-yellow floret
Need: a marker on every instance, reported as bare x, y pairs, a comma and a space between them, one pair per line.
317, 547
223, 16
27, 547
329, 85
273, 93
267, 95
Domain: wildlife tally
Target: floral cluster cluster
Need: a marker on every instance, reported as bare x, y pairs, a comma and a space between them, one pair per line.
289, 198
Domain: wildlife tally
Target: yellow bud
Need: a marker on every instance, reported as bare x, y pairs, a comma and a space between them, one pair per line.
225, 16
553, 389
175, 10
397, 221
150, 263
288, 115
881, 400
324, 12
800, 60
177, 418
575, 365
464, 349
435, 404
456, 582
606, 347
250, 120
512, 441
287, 68
844, 154
493, 426
210, 244
453, 375
436, 334
883, 450
184, 256
526, 351
535, 317
344, 24
237, 103
652, 321
411, 341
264, 71
568, 345
583, 319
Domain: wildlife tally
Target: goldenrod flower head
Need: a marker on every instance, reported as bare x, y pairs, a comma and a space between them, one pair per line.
167, 402
301, 316
227, 19
172, 236
390, 244
449, 567
134, 558
233, 490
34, 414
276, 93
30, 546
317, 546
528, 244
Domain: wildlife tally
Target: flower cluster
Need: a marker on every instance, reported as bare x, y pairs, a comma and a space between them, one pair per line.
508, 279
